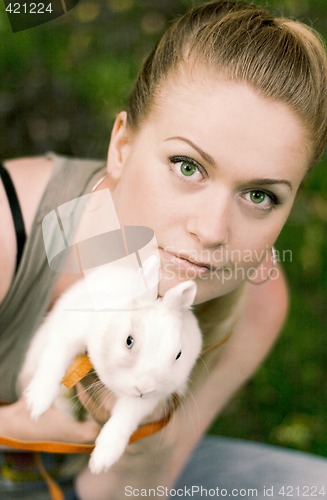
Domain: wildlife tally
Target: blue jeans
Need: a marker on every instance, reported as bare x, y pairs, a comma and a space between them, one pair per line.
232, 468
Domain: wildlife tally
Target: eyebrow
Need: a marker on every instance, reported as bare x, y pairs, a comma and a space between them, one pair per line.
206, 157
268, 182
209, 159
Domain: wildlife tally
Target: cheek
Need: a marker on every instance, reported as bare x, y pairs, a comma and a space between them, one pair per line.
257, 237
139, 199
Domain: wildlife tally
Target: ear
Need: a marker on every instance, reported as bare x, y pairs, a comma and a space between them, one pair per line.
118, 147
181, 296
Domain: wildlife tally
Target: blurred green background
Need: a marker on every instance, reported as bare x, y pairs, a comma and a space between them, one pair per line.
61, 85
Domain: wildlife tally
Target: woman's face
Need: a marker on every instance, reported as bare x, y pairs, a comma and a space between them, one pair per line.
214, 171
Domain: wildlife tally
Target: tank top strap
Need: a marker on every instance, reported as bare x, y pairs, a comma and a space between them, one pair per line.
16, 212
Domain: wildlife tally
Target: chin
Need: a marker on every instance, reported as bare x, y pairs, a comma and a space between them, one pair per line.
166, 284
203, 295
206, 289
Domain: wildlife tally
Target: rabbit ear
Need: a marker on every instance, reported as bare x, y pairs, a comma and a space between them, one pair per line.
181, 296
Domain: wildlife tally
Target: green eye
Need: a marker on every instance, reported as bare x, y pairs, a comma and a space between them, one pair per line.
187, 168
257, 197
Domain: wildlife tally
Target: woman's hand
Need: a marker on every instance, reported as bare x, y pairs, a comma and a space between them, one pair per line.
56, 424
53, 425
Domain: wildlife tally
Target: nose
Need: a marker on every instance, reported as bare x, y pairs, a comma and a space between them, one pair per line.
210, 220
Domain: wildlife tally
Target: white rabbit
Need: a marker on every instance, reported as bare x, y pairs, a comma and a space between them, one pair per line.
142, 353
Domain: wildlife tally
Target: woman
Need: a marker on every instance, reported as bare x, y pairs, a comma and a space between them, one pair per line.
227, 117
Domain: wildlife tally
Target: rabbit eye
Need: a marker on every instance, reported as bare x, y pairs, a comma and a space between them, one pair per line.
179, 355
129, 341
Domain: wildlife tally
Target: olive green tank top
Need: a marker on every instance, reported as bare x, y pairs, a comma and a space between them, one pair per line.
27, 300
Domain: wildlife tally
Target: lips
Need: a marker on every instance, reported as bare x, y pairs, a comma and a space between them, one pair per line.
185, 263
197, 263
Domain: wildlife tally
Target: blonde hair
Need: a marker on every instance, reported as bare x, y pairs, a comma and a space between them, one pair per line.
281, 59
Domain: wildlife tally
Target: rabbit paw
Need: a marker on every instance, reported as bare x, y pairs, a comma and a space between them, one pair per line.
38, 399
103, 457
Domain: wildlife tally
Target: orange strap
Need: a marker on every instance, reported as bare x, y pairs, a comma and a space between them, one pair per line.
69, 448
80, 367
53, 488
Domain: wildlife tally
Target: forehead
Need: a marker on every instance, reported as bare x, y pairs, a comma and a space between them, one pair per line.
232, 121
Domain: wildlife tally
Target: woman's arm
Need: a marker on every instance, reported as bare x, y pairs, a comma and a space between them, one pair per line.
159, 459
263, 316
30, 177
54, 425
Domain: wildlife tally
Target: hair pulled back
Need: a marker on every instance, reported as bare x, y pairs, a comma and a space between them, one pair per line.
282, 59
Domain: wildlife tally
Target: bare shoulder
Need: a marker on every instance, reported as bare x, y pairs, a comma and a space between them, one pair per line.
30, 177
